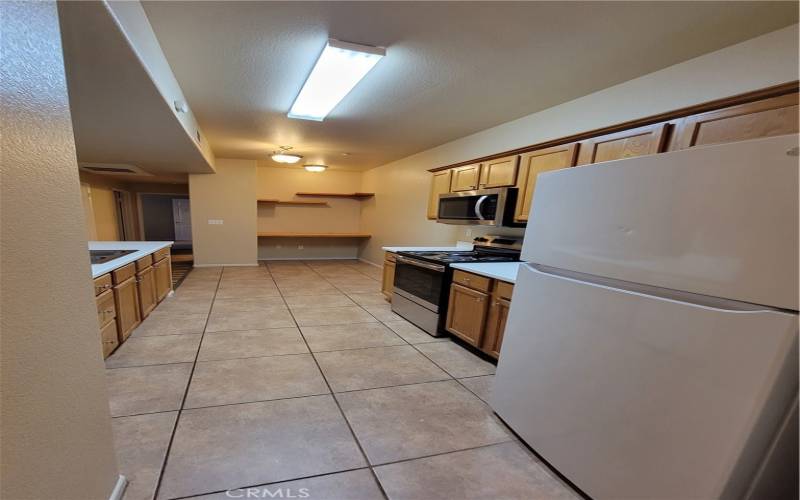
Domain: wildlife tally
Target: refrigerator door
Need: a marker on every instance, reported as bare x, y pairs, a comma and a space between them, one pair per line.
716, 220
631, 395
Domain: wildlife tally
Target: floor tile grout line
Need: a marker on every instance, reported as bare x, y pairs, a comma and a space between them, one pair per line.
183, 400
341, 412
271, 483
422, 457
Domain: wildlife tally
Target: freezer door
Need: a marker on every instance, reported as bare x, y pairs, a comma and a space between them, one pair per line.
632, 395
716, 220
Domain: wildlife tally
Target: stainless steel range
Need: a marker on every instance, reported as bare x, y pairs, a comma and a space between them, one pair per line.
422, 279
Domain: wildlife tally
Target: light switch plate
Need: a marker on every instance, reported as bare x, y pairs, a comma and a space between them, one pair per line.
215, 221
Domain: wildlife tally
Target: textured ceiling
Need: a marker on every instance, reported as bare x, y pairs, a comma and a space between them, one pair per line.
451, 68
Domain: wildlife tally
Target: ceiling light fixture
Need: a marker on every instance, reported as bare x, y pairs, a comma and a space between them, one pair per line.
339, 68
315, 168
283, 155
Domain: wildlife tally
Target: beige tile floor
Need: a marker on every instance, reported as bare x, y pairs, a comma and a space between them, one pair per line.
295, 378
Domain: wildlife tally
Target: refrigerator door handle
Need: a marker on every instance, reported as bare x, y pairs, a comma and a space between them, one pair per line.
694, 299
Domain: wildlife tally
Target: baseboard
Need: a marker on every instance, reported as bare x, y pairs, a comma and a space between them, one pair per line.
226, 265
306, 258
119, 488
370, 263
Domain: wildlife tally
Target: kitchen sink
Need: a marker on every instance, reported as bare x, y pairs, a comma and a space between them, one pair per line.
103, 256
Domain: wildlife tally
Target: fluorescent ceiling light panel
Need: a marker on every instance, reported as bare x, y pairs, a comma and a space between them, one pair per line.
339, 68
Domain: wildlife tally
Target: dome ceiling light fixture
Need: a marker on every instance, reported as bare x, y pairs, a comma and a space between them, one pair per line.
315, 168
284, 156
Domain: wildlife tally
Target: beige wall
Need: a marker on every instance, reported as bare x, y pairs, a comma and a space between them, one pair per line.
230, 196
397, 215
56, 426
338, 216
104, 209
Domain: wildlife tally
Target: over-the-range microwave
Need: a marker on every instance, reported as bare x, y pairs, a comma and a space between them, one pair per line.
485, 207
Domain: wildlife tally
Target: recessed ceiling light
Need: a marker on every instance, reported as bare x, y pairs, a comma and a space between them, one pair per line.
339, 68
315, 168
283, 155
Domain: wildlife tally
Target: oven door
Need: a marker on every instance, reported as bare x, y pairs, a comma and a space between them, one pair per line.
419, 281
482, 207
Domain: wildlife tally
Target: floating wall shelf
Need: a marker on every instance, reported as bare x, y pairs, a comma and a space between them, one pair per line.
292, 202
312, 235
360, 196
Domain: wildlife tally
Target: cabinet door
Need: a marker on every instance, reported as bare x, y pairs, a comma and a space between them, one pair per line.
769, 117
465, 178
163, 278
126, 298
147, 291
440, 184
109, 338
626, 144
500, 172
534, 163
495, 326
466, 313
388, 278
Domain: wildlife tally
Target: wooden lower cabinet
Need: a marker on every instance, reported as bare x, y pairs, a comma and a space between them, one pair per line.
387, 283
476, 313
495, 326
148, 299
163, 278
109, 338
126, 299
467, 313
128, 294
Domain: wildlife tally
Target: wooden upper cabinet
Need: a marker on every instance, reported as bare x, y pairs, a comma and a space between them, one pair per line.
440, 184
626, 144
465, 178
766, 118
466, 313
534, 163
500, 172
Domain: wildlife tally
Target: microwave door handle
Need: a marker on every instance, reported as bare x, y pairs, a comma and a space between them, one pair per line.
478, 207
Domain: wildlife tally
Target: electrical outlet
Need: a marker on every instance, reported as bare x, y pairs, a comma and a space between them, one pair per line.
300, 247
215, 221
469, 233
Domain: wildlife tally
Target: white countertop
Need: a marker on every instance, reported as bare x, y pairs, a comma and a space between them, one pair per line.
458, 246
505, 271
142, 248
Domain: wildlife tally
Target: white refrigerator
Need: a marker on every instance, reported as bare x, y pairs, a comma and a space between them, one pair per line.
651, 349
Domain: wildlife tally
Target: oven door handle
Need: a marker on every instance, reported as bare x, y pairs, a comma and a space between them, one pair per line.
478, 207
416, 263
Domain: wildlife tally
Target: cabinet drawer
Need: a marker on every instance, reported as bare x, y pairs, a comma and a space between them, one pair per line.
102, 283
473, 281
160, 254
108, 338
144, 263
503, 289
124, 273
105, 308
